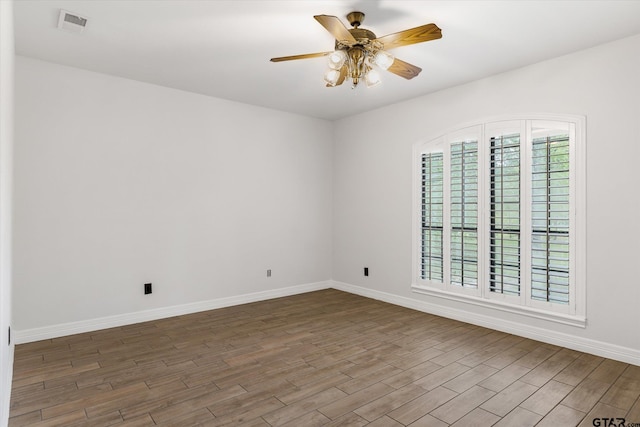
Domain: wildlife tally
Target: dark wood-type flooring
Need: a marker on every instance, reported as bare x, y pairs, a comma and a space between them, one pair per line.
321, 358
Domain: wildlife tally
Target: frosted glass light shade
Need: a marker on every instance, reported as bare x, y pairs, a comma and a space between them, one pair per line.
331, 77
372, 78
337, 59
383, 59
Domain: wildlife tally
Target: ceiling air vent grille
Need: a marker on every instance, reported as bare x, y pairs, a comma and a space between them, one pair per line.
71, 22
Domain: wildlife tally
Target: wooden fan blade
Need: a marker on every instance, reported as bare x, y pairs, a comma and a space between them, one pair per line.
335, 27
404, 69
420, 34
305, 56
343, 75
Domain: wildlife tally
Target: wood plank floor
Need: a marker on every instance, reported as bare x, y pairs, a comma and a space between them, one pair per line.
321, 358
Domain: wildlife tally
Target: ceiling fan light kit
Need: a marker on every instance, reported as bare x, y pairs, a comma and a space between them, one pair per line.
358, 51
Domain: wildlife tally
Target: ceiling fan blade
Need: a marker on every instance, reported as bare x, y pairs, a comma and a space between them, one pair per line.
420, 34
343, 74
404, 69
305, 56
335, 27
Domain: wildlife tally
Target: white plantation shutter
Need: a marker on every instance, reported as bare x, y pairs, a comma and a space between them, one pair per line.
504, 215
464, 214
432, 204
550, 213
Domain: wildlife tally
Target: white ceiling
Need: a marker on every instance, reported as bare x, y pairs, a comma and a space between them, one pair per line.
222, 48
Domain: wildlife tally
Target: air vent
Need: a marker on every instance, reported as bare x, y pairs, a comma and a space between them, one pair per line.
71, 22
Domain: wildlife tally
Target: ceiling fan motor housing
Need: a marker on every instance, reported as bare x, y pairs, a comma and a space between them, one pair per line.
359, 53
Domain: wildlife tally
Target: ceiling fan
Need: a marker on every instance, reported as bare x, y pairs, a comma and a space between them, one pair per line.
358, 50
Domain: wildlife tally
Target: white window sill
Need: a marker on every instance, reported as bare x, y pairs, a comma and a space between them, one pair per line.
566, 319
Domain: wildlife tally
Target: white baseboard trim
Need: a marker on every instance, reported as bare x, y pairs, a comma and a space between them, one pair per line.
586, 345
64, 329
599, 348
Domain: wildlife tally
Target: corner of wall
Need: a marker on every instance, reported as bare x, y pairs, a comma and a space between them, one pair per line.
7, 55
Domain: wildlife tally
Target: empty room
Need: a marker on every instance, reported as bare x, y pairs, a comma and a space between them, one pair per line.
309, 213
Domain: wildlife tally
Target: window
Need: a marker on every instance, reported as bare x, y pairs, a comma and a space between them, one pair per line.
499, 217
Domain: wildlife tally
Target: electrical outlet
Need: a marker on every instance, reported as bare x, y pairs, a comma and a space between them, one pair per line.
366, 271
269, 273
147, 288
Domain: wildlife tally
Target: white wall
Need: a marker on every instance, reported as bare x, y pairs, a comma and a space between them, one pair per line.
6, 159
119, 183
372, 188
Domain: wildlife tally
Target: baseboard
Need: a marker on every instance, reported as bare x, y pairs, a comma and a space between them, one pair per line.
64, 329
598, 348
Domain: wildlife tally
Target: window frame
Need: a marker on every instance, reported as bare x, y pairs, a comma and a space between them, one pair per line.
572, 313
